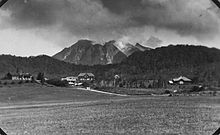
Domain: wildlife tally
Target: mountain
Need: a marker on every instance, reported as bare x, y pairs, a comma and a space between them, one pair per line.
113, 55
196, 62
126, 48
154, 42
142, 48
86, 53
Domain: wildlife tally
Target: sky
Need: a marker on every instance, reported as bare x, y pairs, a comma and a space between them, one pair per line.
35, 27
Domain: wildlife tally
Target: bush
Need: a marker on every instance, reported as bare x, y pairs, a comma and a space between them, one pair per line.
32, 80
5, 83
85, 84
57, 82
197, 89
214, 93
12, 82
20, 82
27, 81
167, 92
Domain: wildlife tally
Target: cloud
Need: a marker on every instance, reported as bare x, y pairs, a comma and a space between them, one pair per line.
92, 18
76, 17
185, 17
24, 43
62, 22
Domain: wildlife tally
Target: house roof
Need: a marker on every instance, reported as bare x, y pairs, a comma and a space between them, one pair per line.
70, 77
22, 75
182, 78
83, 74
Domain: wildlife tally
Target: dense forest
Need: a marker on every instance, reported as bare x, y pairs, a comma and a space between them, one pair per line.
199, 63
202, 64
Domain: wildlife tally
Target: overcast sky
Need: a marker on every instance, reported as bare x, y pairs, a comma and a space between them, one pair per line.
33, 27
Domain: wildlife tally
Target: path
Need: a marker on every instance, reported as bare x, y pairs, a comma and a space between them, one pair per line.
97, 91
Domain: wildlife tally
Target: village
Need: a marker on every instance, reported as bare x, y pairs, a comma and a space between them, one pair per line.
117, 84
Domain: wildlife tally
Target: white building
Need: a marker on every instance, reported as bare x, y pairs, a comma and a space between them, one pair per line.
70, 79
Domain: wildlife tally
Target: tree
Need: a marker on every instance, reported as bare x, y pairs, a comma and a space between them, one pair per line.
57, 82
40, 77
8, 76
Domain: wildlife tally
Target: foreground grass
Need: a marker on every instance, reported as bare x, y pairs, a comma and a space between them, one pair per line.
150, 115
107, 115
34, 93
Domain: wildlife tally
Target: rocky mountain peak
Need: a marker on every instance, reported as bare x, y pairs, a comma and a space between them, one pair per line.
87, 52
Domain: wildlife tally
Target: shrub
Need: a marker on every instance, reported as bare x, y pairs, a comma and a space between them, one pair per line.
5, 83
85, 84
12, 82
40, 77
214, 93
27, 81
57, 82
197, 89
8, 76
167, 92
20, 82
32, 80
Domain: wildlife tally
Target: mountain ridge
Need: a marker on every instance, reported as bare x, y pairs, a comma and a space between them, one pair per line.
167, 62
86, 52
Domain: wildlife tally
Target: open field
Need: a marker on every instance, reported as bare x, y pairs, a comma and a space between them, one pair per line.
93, 113
38, 94
159, 91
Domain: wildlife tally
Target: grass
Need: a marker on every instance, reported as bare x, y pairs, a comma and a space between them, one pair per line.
133, 91
141, 116
34, 93
160, 91
109, 115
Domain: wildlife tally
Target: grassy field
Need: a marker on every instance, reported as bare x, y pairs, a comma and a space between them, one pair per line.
36, 94
107, 115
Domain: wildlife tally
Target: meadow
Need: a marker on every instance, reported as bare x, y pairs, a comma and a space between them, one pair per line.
94, 113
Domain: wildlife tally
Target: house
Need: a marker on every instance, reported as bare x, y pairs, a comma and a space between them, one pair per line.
70, 79
22, 76
86, 77
180, 80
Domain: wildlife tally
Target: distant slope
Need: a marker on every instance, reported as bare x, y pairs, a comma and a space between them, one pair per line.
34, 65
113, 55
174, 56
127, 48
172, 61
142, 48
154, 42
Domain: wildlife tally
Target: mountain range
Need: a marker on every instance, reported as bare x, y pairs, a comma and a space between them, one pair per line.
86, 52
167, 62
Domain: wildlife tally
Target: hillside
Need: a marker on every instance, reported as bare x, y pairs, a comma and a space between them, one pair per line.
34, 65
174, 57
166, 62
200, 63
